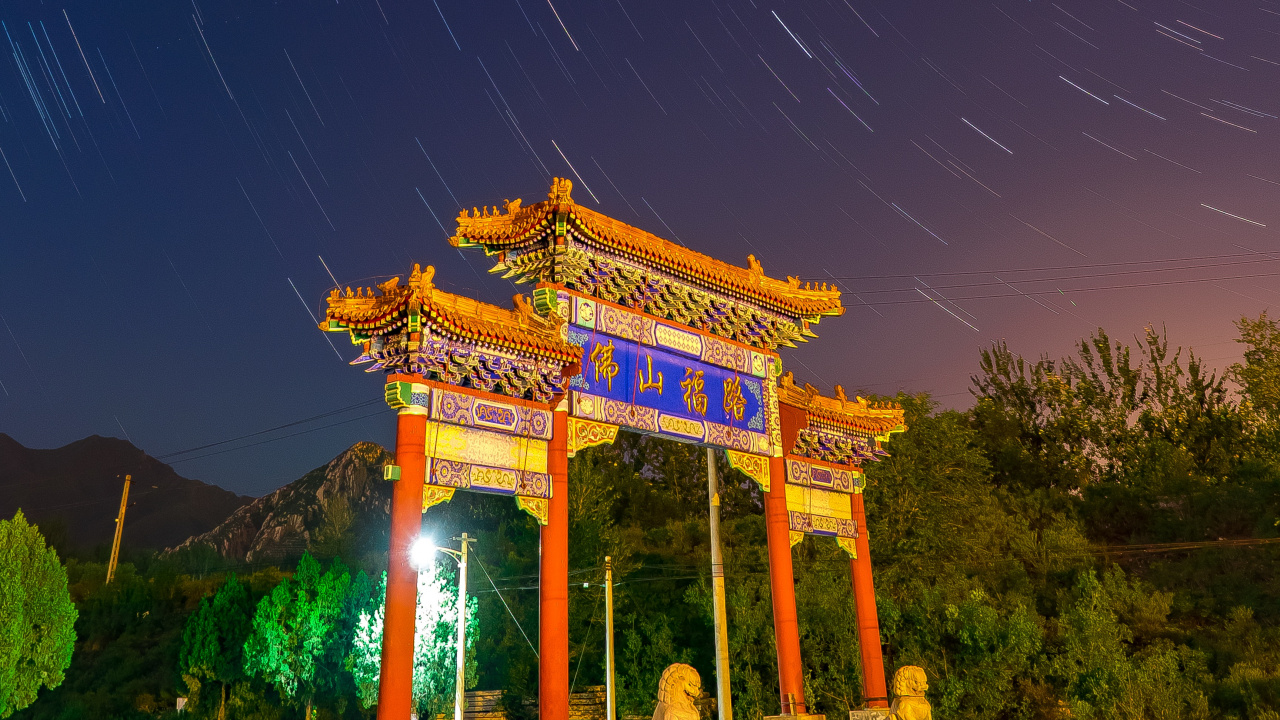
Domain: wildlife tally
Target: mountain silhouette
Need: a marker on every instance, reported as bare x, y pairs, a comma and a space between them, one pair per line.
73, 492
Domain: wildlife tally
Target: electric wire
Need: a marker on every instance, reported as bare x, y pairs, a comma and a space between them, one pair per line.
1049, 268
759, 568
268, 430
591, 626
1059, 291
508, 607
1086, 276
282, 437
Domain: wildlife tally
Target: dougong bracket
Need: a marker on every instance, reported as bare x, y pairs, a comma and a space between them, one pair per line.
539, 508
434, 495
755, 467
586, 433
849, 545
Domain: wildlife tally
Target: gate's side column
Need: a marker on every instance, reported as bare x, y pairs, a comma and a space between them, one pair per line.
786, 626
864, 598
553, 583
395, 688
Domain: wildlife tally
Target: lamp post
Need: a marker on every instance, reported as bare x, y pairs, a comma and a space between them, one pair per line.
611, 712
423, 553
724, 701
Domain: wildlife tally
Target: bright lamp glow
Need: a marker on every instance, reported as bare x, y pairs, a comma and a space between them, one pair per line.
422, 553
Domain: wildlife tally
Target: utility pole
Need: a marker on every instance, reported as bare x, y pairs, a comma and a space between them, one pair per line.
724, 703
460, 691
115, 543
610, 710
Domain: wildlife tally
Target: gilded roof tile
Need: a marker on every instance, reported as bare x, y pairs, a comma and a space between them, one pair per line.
519, 329
515, 226
857, 414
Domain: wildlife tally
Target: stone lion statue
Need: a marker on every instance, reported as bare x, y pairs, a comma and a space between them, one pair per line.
909, 686
679, 687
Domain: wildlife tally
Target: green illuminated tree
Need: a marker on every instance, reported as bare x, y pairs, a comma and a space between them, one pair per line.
214, 638
37, 618
293, 630
434, 647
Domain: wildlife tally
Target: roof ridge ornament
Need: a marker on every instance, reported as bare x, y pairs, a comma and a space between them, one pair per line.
524, 307
422, 279
757, 270
560, 189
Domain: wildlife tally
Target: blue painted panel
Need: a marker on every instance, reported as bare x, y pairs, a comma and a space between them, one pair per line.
623, 370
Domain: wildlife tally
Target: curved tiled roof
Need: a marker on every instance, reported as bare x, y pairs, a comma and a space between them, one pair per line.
515, 226
856, 415
518, 330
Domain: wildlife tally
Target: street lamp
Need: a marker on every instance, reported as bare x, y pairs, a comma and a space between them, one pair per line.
421, 554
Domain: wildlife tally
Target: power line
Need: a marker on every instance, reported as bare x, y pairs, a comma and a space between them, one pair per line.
268, 430
1049, 268
1058, 291
1088, 276
508, 607
279, 438
166, 456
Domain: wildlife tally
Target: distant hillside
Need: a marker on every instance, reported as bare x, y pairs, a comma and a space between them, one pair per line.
292, 519
75, 489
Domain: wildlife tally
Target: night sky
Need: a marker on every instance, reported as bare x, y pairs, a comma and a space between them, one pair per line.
966, 171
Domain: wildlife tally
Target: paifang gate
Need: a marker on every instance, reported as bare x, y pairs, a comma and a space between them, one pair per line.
642, 334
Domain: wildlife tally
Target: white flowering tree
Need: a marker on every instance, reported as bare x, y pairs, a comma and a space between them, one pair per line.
435, 643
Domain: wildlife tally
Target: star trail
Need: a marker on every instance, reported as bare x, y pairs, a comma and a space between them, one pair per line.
965, 172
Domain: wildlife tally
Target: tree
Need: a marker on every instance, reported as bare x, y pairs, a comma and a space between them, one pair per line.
435, 643
1106, 672
334, 538
1259, 374
214, 638
293, 628
648, 647
1110, 417
37, 617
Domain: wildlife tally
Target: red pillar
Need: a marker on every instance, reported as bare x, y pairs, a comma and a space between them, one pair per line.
553, 585
864, 597
395, 689
786, 626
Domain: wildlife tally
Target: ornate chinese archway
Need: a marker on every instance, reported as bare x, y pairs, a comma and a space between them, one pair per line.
681, 345
626, 330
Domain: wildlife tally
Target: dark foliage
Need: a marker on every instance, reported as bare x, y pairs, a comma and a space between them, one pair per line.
1091, 539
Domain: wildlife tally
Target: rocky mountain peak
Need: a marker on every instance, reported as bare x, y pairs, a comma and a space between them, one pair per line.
345, 496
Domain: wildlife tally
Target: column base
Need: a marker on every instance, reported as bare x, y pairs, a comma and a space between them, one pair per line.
869, 714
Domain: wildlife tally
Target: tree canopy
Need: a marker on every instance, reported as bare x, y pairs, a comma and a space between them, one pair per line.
1096, 537
435, 643
37, 618
294, 630
213, 641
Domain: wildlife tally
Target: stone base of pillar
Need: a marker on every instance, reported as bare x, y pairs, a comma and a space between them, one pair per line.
869, 714
802, 716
